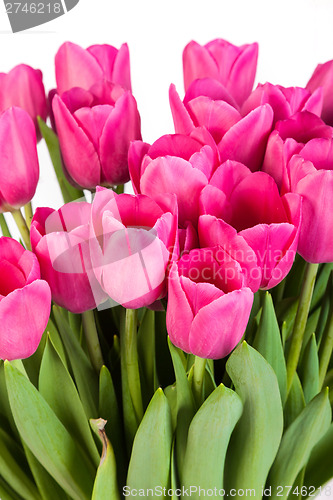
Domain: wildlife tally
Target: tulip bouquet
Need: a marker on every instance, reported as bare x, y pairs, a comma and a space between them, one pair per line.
176, 341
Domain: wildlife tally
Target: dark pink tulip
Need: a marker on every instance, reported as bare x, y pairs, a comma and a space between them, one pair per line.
133, 240
311, 176
173, 164
234, 67
60, 239
19, 170
288, 139
77, 67
208, 303
23, 87
323, 78
285, 101
94, 139
25, 301
251, 204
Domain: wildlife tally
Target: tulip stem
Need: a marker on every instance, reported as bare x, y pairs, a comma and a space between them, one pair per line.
326, 347
300, 321
129, 342
94, 348
22, 227
28, 213
198, 379
4, 228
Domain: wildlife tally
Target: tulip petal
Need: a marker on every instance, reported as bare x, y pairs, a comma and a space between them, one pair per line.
24, 314
136, 153
198, 63
182, 121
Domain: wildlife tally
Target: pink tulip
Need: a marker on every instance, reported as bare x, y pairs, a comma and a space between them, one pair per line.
60, 239
285, 101
311, 176
288, 139
94, 139
77, 67
23, 87
267, 222
19, 170
234, 67
173, 164
240, 139
133, 240
323, 78
208, 303
25, 301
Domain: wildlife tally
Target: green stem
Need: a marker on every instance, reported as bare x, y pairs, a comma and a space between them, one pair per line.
198, 379
28, 213
132, 362
94, 348
119, 189
4, 228
326, 347
22, 227
300, 321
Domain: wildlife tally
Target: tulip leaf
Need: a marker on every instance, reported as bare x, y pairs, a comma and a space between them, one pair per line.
46, 436
295, 402
321, 283
69, 193
268, 343
256, 438
320, 465
4, 228
146, 352
65, 402
6, 492
105, 485
150, 460
12, 471
185, 405
84, 374
309, 371
298, 442
47, 486
208, 439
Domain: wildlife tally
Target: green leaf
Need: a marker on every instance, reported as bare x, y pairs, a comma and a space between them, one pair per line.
47, 486
208, 439
6, 492
84, 374
65, 402
185, 405
105, 486
146, 352
321, 284
12, 471
298, 441
4, 227
69, 193
268, 342
295, 402
150, 460
256, 438
309, 371
46, 436
320, 466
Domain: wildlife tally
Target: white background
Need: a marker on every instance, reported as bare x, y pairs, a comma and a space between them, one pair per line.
294, 36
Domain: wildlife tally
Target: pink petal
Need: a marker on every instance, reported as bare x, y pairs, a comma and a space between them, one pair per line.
182, 121
323, 77
303, 127
198, 63
246, 140
242, 73
24, 314
175, 145
92, 121
210, 88
319, 152
137, 151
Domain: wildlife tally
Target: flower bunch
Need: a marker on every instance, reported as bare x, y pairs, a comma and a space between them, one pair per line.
162, 333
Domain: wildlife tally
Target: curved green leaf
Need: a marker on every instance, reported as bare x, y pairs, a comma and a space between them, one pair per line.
256, 438
309, 371
320, 466
208, 439
295, 402
46, 436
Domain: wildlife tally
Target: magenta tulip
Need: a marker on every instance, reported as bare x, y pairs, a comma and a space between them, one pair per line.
311, 176
323, 78
208, 303
25, 301
19, 170
77, 67
60, 239
251, 204
133, 240
173, 164
23, 87
234, 67
94, 139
